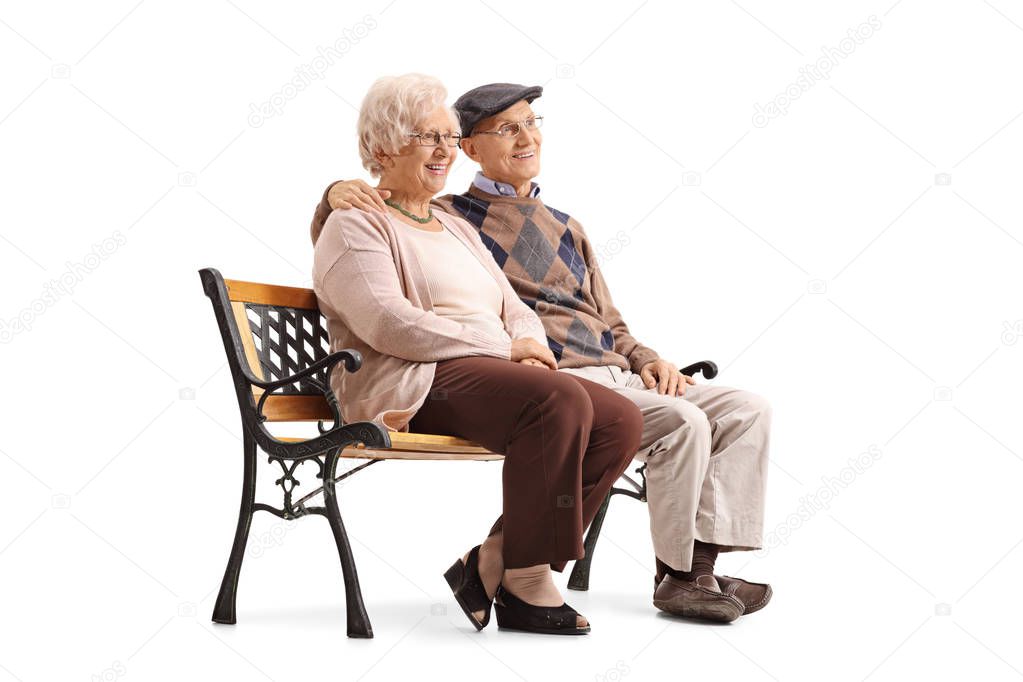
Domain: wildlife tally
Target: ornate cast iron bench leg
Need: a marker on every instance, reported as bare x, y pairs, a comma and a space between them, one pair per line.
224, 610
580, 576
358, 619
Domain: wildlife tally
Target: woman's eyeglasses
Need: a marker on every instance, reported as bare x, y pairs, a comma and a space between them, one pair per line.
432, 139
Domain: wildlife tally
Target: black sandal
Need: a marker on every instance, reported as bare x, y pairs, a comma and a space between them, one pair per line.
467, 586
515, 614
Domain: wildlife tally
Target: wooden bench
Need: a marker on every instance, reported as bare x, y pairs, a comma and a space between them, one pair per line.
279, 354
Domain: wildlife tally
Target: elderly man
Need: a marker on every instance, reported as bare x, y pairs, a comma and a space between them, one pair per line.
705, 447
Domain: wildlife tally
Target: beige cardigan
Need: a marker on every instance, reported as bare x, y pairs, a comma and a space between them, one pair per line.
372, 290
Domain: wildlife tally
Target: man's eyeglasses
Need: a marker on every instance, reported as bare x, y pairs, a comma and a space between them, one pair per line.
434, 138
510, 130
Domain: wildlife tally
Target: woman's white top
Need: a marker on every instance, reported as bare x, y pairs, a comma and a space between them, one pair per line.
460, 287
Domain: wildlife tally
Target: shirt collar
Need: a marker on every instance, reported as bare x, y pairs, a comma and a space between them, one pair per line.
500, 188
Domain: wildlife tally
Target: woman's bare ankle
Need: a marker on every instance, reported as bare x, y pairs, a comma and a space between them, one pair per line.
532, 584
491, 565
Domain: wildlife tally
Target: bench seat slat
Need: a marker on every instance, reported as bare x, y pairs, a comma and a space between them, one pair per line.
420, 446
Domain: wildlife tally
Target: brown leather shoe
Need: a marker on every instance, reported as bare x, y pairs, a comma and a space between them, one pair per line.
754, 596
700, 598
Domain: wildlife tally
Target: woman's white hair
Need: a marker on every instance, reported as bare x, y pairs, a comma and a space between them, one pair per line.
393, 107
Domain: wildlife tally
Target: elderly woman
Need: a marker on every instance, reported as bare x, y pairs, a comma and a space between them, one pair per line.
449, 348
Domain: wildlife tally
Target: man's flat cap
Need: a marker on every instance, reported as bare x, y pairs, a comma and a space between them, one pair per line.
487, 100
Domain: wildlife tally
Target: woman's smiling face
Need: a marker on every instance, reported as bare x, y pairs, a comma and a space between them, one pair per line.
420, 169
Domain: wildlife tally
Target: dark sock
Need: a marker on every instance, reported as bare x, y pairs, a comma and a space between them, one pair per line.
704, 556
664, 569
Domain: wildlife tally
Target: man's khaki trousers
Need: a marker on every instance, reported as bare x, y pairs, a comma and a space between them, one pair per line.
706, 456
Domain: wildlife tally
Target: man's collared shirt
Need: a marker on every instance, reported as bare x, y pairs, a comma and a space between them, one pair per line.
500, 188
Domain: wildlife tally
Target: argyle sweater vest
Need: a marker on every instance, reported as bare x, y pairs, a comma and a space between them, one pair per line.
552, 266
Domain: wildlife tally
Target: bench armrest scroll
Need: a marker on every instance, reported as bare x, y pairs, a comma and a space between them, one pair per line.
705, 367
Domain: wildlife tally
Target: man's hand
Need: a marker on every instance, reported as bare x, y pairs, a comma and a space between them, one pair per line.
665, 376
357, 194
533, 362
528, 349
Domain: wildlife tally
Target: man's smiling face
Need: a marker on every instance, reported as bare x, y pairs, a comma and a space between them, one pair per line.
514, 160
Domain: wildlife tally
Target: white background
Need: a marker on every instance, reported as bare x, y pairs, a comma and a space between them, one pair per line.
856, 260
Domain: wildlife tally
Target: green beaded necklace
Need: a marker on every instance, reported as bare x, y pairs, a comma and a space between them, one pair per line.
413, 216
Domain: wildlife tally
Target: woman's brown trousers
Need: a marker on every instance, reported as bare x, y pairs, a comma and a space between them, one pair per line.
565, 441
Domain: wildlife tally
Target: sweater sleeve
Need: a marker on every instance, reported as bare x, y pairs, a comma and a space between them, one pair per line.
625, 343
522, 322
323, 210
355, 276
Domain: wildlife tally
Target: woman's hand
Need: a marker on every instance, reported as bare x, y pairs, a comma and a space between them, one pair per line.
357, 194
528, 349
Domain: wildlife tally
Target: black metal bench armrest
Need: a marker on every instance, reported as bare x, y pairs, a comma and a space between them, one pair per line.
370, 433
351, 358
341, 435
706, 367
